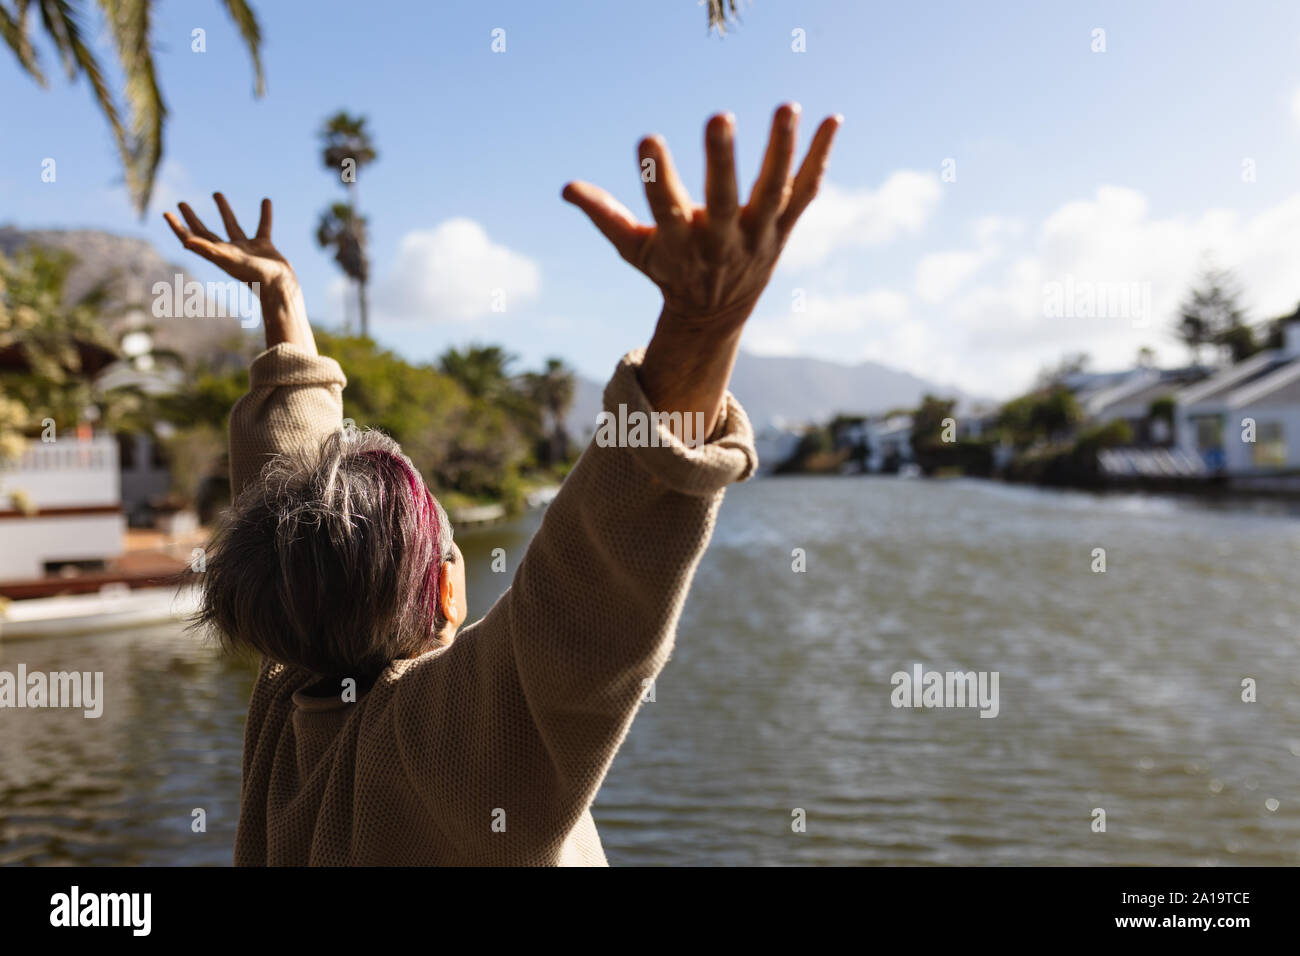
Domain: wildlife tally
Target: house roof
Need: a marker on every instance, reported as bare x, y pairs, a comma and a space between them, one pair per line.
1140, 392
1281, 386
1243, 383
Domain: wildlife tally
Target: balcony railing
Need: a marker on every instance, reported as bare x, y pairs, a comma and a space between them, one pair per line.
64, 473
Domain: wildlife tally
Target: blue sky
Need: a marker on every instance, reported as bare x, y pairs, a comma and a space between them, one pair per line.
1110, 170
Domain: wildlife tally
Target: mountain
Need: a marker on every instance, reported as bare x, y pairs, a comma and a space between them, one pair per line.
130, 267
786, 391
775, 390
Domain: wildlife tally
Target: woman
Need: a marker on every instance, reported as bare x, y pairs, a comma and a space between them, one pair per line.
377, 736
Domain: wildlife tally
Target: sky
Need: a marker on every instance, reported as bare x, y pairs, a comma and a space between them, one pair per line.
1010, 185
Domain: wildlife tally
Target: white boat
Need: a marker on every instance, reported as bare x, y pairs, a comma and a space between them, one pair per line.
113, 608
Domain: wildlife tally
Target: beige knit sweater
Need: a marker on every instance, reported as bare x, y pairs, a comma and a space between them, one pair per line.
489, 751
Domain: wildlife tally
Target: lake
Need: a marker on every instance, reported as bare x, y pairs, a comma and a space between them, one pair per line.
1119, 691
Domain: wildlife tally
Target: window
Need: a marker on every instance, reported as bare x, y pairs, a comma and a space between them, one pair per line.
1209, 432
1270, 446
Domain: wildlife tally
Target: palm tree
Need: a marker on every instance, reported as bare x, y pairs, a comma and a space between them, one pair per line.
482, 371
345, 139
552, 389
140, 140
342, 229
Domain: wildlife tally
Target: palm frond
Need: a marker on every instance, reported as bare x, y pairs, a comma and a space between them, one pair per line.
722, 12
249, 29
60, 21
130, 23
13, 30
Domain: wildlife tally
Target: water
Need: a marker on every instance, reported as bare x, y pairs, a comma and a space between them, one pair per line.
1119, 691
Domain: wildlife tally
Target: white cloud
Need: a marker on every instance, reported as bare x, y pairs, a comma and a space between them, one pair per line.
1111, 241
841, 217
825, 317
991, 335
454, 271
940, 274
1295, 105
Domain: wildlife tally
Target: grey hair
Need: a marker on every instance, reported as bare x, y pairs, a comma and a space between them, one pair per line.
331, 560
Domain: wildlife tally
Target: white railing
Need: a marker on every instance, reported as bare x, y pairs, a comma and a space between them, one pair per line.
65, 473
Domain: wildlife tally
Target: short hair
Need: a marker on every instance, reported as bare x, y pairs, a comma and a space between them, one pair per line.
331, 560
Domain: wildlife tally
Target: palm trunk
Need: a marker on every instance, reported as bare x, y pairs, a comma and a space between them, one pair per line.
365, 315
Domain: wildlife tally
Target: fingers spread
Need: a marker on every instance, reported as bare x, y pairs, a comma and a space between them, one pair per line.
232, 225
609, 215
264, 223
720, 172
771, 189
809, 179
182, 233
196, 224
670, 203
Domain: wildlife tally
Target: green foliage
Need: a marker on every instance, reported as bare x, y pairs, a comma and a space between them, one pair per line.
1163, 408
929, 450
1039, 416
1212, 316
206, 398
52, 343
1113, 434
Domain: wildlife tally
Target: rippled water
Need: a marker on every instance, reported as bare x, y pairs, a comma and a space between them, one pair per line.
1119, 691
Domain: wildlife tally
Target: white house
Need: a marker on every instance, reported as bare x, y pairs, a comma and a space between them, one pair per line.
1245, 420
60, 502
889, 439
1130, 401
774, 445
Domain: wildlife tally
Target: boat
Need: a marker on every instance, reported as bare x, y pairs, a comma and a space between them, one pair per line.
115, 607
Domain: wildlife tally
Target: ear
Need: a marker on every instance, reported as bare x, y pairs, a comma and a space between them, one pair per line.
447, 597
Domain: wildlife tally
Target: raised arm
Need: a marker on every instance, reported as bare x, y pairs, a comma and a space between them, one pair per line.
525, 711
295, 397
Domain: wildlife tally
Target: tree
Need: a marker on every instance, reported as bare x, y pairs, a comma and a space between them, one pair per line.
552, 390
1070, 365
482, 370
54, 350
1211, 316
1043, 415
341, 229
346, 148
140, 139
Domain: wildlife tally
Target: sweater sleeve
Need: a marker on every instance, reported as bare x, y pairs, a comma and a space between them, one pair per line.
294, 399
518, 721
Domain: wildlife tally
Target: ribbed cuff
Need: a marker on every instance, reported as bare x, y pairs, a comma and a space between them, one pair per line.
726, 457
287, 364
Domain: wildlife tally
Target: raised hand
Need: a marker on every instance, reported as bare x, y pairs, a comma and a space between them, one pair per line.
712, 262
252, 260
255, 260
